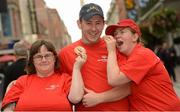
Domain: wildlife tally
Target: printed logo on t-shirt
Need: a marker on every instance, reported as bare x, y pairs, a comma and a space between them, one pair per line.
103, 58
52, 87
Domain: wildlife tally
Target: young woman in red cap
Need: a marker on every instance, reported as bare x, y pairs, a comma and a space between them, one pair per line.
151, 87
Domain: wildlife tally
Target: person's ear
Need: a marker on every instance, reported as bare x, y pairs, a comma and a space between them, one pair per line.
79, 24
136, 36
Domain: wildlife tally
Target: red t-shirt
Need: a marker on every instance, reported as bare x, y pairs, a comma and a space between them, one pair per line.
151, 87
93, 72
33, 93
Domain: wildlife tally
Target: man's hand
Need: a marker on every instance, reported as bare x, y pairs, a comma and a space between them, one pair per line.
91, 98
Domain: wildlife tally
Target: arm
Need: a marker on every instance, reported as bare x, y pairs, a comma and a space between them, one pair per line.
10, 85
9, 107
115, 94
115, 76
77, 86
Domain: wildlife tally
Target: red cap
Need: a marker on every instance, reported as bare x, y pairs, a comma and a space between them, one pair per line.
123, 23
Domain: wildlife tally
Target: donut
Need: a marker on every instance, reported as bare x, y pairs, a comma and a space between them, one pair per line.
79, 50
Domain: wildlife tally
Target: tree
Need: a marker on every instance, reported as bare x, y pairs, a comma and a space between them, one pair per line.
156, 28
163, 22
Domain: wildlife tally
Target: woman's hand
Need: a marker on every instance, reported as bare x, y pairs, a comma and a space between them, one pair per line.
110, 43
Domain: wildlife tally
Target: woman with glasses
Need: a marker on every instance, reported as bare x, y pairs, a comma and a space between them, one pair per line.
44, 87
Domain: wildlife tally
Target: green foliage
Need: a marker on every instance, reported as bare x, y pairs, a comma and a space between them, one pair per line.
162, 22
156, 28
148, 39
149, 5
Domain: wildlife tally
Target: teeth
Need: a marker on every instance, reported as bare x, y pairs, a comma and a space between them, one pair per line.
93, 35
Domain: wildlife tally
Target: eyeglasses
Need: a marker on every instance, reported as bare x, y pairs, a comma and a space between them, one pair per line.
48, 56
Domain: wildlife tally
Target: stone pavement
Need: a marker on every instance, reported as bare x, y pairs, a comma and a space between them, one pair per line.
177, 84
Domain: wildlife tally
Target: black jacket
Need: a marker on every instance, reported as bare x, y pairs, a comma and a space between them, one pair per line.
14, 71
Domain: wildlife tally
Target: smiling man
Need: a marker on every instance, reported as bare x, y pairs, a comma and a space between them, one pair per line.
99, 94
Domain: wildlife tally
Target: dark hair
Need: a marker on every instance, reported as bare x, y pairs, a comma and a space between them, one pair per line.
35, 49
139, 40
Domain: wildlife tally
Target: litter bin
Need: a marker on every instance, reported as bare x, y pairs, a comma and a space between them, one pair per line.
1, 86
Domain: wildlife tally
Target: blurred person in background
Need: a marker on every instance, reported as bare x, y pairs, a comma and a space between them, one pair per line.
44, 88
17, 68
168, 55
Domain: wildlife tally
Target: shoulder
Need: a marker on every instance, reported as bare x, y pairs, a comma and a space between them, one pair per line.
21, 81
17, 63
69, 48
61, 74
65, 78
65, 75
145, 54
23, 77
143, 51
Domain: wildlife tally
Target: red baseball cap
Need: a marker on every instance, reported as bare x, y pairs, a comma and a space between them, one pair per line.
123, 23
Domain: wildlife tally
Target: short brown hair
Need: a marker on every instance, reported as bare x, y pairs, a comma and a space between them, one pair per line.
35, 49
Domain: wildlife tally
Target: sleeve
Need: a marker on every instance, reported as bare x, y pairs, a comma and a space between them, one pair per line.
67, 83
15, 91
138, 65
